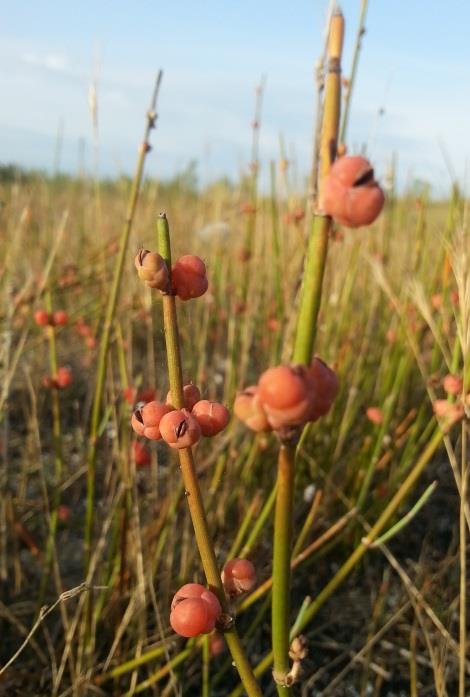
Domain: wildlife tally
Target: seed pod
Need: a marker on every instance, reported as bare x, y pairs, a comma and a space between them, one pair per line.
152, 269
323, 387
350, 193
42, 318
63, 378
60, 318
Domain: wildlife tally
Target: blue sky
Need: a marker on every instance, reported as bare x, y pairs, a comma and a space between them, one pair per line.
415, 64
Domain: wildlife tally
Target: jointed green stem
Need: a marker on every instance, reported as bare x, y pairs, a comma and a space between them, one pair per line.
188, 471
281, 567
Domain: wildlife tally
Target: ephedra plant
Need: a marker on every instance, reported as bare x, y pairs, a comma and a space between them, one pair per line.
284, 401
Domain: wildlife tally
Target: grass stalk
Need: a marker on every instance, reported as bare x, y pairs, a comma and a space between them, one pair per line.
108, 323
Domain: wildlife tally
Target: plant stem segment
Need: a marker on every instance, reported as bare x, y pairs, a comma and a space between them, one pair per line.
281, 567
108, 323
188, 470
310, 300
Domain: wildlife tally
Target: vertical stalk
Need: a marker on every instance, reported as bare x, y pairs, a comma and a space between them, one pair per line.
310, 294
310, 299
108, 323
188, 471
282, 552
352, 78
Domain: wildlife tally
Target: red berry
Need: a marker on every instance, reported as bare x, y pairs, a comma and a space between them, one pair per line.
142, 457
191, 395
194, 610
452, 384
375, 415
238, 576
188, 276
448, 412
323, 388
146, 421
283, 392
180, 429
248, 408
60, 318
211, 416
216, 644
129, 394
42, 318
63, 378
64, 513
350, 193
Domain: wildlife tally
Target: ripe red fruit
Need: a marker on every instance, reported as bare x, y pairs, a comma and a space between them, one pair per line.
180, 429
191, 395
448, 412
194, 610
60, 318
64, 513
350, 193
152, 269
82, 328
452, 384
216, 644
248, 408
42, 318
63, 378
146, 421
375, 414
142, 457
238, 576
323, 388
189, 278
283, 392
212, 417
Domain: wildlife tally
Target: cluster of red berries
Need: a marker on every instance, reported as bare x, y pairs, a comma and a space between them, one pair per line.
62, 379
350, 193
180, 428
51, 319
196, 610
451, 412
287, 396
188, 274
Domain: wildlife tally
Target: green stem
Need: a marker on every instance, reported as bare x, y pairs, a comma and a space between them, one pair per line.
188, 471
352, 561
281, 567
108, 323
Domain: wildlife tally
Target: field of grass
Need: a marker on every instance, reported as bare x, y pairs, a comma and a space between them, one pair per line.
95, 535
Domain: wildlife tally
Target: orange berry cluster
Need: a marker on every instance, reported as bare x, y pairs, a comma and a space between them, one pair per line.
452, 412
287, 396
188, 274
350, 193
196, 610
51, 319
62, 379
180, 428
